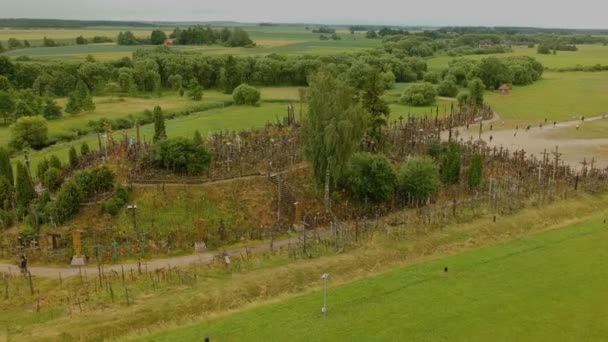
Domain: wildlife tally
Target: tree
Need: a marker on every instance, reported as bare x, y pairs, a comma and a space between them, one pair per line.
419, 94
5, 84
52, 179
418, 180
7, 68
370, 177
198, 138
7, 106
175, 82
54, 161
51, 110
476, 90
24, 188
492, 71
48, 42
14, 43
84, 149
80, 99
371, 34
80, 40
450, 165
159, 125
6, 194
158, 37
6, 169
42, 167
372, 85
112, 88
447, 88
230, 76
239, 37
195, 92
29, 131
246, 95
431, 77
543, 49
333, 127
475, 171
180, 155
73, 157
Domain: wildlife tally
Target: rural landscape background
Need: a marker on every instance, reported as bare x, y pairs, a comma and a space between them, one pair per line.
184, 179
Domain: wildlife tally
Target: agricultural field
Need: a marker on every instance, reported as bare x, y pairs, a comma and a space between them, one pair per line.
289, 40
544, 287
587, 55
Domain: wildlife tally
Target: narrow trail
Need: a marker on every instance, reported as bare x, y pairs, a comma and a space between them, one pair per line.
535, 141
149, 265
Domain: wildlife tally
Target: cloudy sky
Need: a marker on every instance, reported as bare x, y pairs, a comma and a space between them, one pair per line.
542, 13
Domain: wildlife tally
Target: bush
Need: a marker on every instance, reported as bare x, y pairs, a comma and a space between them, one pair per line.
431, 77
180, 155
420, 94
450, 165
52, 179
246, 95
7, 218
447, 88
418, 180
118, 200
29, 131
475, 171
370, 177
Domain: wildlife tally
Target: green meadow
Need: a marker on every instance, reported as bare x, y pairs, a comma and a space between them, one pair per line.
587, 55
546, 287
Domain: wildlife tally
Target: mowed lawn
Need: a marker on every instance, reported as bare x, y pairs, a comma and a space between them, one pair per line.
557, 97
587, 55
548, 287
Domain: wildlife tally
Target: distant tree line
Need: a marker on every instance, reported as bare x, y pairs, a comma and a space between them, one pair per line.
194, 35
59, 23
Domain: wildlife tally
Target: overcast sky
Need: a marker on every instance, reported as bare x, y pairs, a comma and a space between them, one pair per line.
540, 13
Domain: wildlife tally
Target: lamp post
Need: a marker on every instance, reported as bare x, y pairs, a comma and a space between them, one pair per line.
325, 278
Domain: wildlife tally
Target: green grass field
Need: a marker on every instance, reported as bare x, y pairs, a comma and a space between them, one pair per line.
232, 118
557, 97
112, 108
543, 288
587, 55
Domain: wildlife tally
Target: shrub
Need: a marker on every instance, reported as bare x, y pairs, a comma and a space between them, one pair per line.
370, 177
420, 94
73, 157
180, 155
475, 171
418, 180
447, 88
7, 218
431, 77
118, 200
6, 193
29, 131
52, 179
450, 165
246, 94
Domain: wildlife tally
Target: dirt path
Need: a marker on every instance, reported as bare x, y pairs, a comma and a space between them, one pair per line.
150, 265
534, 141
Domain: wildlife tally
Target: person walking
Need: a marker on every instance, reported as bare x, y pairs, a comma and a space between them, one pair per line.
23, 264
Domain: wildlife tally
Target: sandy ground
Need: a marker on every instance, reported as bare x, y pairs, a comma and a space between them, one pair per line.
534, 141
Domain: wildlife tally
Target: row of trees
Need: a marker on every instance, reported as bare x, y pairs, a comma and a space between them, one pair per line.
194, 35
